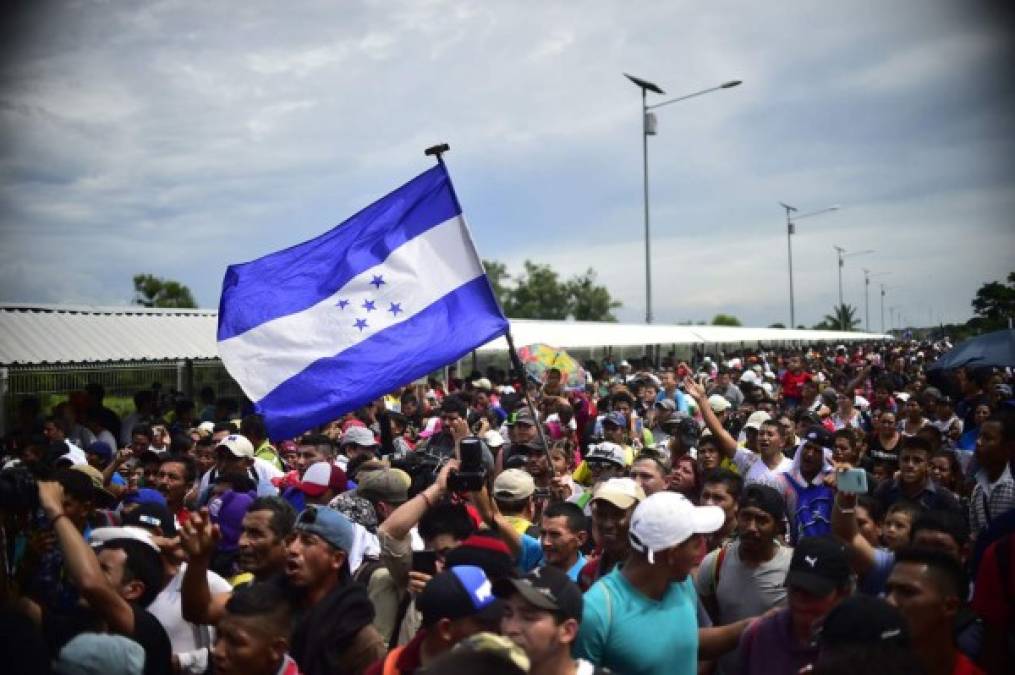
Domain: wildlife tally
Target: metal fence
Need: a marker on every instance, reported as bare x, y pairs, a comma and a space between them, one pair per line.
51, 383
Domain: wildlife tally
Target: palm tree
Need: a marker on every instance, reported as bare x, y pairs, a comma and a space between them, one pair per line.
843, 317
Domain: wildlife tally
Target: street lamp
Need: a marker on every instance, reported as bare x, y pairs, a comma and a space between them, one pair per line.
843, 254
883, 289
648, 128
867, 276
790, 231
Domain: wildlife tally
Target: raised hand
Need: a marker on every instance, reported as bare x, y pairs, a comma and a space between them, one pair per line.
199, 536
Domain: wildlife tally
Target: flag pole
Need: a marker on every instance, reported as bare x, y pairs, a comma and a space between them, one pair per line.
520, 374
437, 152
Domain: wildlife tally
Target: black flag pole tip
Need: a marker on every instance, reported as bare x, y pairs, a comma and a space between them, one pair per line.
437, 151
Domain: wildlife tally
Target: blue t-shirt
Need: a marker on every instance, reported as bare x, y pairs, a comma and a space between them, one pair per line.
532, 557
873, 582
630, 633
678, 399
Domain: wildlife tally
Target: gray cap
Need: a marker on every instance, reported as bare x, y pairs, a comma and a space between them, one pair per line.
100, 654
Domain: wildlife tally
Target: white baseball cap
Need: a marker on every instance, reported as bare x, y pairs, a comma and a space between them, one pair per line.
607, 452
621, 492
667, 519
756, 418
718, 403
237, 445
359, 436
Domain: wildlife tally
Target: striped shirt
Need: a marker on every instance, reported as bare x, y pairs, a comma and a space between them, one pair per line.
990, 500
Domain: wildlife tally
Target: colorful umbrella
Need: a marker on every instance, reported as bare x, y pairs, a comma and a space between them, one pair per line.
539, 358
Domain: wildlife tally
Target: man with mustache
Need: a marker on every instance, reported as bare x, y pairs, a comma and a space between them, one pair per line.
613, 502
744, 577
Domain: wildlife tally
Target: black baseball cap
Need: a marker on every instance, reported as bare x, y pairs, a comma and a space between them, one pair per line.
457, 593
820, 436
522, 416
547, 588
819, 566
766, 498
149, 515
863, 619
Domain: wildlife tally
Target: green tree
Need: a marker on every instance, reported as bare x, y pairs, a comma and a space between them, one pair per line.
152, 291
843, 317
498, 275
538, 294
777, 325
725, 320
590, 302
993, 305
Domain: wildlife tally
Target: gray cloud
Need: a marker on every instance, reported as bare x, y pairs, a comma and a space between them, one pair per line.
177, 137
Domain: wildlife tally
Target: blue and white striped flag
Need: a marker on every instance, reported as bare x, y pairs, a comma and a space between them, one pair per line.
393, 293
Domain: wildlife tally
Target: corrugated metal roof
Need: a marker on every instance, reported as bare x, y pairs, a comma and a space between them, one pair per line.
44, 334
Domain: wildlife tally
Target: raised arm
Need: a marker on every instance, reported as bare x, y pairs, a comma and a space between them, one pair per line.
496, 522
406, 516
199, 605
723, 437
82, 565
845, 529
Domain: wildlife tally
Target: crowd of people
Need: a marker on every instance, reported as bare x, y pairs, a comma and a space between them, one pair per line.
827, 510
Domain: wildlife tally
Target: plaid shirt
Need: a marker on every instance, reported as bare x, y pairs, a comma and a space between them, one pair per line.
990, 500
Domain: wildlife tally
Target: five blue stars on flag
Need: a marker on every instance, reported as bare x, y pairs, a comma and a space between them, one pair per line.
371, 305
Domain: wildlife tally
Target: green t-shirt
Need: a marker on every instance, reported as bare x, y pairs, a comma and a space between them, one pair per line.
630, 633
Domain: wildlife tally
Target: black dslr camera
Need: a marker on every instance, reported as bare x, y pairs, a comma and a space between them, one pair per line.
471, 475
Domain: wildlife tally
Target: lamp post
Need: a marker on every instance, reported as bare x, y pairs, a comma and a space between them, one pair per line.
648, 128
882, 309
790, 231
867, 276
843, 254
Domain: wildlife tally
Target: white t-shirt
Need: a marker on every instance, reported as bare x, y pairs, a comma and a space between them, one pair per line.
754, 469
168, 609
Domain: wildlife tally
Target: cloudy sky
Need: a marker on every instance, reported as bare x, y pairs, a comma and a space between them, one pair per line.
176, 137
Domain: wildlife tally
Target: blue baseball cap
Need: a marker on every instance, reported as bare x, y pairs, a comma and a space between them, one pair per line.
456, 593
328, 524
100, 448
145, 496
616, 418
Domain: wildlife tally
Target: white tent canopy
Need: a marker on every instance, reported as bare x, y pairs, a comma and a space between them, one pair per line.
54, 334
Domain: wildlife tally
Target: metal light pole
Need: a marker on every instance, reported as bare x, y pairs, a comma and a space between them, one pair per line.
790, 231
843, 254
882, 309
648, 128
867, 276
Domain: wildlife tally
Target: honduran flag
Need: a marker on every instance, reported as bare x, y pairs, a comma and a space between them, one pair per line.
390, 295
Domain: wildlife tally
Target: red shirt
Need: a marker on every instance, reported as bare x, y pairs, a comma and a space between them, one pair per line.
793, 383
963, 666
990, 599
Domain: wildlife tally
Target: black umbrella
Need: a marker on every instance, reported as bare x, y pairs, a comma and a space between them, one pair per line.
992, 350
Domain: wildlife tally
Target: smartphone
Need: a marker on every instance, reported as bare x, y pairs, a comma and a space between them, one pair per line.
852, 481
425, 562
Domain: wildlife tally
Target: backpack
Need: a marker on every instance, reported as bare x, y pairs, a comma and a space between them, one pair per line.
717, 568
366, 570
812, 515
